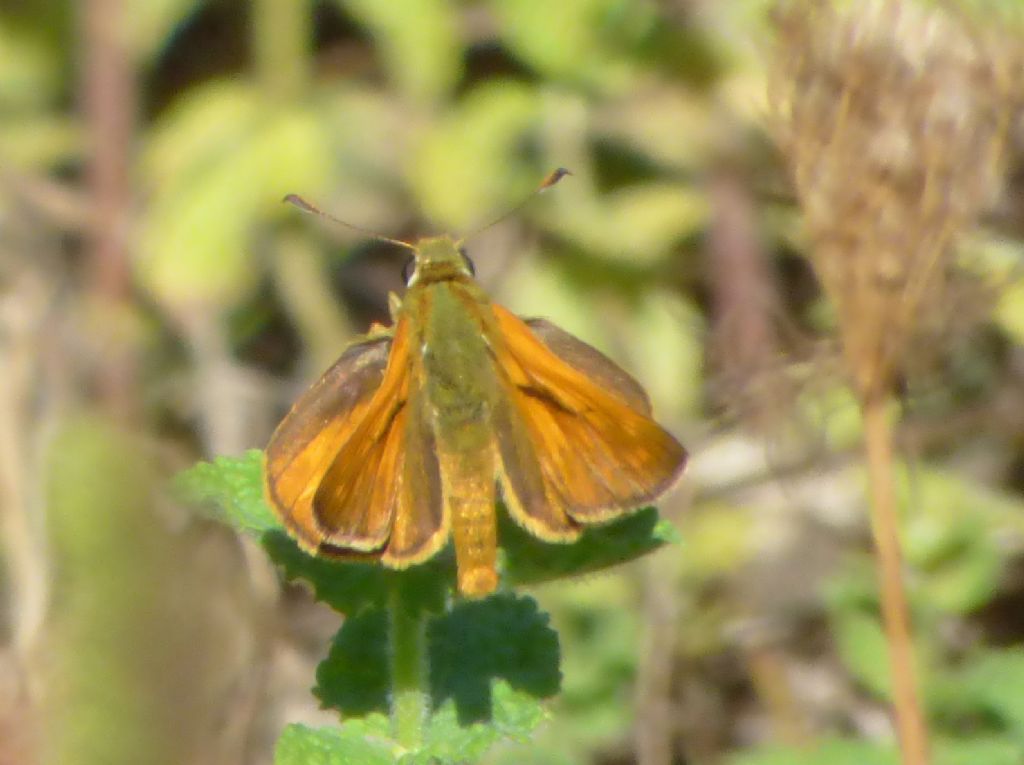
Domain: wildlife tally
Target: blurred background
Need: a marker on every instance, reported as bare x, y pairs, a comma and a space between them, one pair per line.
159, 305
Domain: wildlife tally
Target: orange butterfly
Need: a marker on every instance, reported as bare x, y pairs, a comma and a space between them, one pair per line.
403, 442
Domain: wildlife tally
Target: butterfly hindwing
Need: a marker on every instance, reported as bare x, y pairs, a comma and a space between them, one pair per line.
598, 451
421, 524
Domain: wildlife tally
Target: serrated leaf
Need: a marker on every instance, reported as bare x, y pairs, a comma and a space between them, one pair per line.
531, 561
472, 650
235, 487
354, 677
301, 745
478, 642
515, 714
350, 587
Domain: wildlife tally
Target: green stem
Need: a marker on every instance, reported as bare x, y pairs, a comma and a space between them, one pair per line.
407, 636
282, 39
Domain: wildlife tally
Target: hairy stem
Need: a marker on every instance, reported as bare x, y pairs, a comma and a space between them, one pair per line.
407, 637
910, 723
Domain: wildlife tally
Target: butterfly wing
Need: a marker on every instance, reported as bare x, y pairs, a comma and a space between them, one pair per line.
304, 445
592, 363
594, 452
351, 469
421, 523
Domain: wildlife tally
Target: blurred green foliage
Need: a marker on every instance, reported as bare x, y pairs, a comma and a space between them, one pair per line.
412, 116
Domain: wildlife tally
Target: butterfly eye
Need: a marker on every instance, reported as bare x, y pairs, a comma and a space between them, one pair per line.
468, 263
408, 269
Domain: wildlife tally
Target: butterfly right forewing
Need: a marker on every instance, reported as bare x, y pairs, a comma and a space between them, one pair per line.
591, 362
598, 451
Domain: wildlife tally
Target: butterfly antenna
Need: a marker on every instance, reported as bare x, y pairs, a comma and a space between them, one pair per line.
312, 209
550, 180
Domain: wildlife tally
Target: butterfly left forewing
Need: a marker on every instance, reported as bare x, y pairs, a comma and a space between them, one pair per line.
305, 444
355, 502
598, 451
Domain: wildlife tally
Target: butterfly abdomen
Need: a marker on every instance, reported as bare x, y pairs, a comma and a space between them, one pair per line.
469, 493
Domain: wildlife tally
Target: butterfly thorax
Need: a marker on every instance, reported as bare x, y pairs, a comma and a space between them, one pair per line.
439, 259
450, 323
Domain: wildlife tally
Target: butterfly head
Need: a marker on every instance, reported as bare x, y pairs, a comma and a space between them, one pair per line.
436, 259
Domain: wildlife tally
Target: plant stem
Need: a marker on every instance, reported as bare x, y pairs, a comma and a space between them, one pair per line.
282, 39
407, 636
910, 723
109, 98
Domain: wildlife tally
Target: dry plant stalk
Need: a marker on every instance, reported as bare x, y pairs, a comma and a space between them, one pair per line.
892, 120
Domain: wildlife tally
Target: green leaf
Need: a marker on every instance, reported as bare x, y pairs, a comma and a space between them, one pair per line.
514, 715
471, 648
419, 40
235, 486
149, 26
350, 587
531, 561
479, 641
955, 538
572, 39
354, 677
968, 751
29, 70
988, 750
470, 164
834, 752
638, 223
40, 140
994, 681
863, 649
213, 182
347, 745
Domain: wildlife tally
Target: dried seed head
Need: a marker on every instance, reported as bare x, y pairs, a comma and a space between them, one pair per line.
892, 119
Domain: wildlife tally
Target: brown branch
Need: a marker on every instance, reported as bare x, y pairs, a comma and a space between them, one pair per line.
108, 92
910, 723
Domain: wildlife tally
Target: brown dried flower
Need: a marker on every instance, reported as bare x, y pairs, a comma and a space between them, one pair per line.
892, 118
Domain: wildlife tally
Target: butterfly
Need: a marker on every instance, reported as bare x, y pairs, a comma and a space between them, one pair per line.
408, 438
